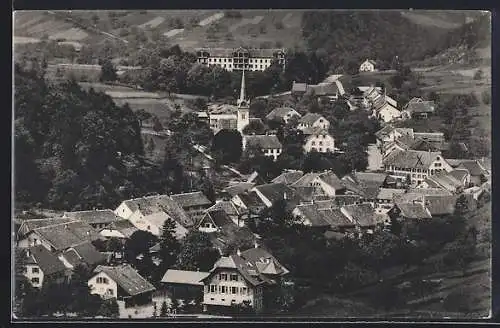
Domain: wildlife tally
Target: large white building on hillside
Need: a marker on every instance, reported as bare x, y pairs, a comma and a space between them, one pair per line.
241, 58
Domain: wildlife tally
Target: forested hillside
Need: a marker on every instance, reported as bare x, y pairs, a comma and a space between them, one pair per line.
350, 37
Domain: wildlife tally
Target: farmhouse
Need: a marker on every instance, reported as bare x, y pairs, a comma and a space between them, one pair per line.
313, 120
268, 144
368, 66
325, 183
288, 177
273, 192
119, 229
121, 282
193, 203
282, 114
241, 58
213, 221
415, 165
97, 218
183, 284
418, 109
242, 278
41, 266
318, 139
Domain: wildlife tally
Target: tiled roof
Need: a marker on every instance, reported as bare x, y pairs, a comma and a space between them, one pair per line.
306, 180
473, 167
226, 206
238, 188
190, 199
421, 107
414, 211
384, 131
278, 191
315, 131
440, 205
299, 87
280, 113
254, 52
459, 174
338, 200
72, 257
125, 227
258, 255
310, 118
252, 200
335, 218
160, 203
445, 180
288, 178
93, 217
362, 214
331, 179
48, 262
67, 235
219, 109
325, 89
430, 136
219, 217
411, 159
184, 277
127, 278
89, 254
30, 225
263, 141
388, 194
311, 213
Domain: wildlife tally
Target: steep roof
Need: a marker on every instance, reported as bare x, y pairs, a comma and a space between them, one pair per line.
440, 204
219, 217
331, 179
258, 255
160, 203
277, 191
125, 227
254, 52
127, 278
190, 199
473, 167
310, 118
238, 188
306, 180
288, 178
89, 254
252, 200
430, 136
411, 158
445, 180
281, 112
384, 131
414, 211
94, 217
325, 89
312, 213
388, 193
263, 141
299, 87
362, 214
335, 217
184, 277
226, 206
48, 262
65, 235
421, 107
30, 225
459, 174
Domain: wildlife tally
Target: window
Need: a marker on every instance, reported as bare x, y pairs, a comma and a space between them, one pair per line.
110, 292
35, 280
437, 164
321, 143
149, 227
233, 277
234, 290
222, 276
223, 299
102, 280
313, 143
213, 288
320, 150
243, 290
35, 270
222, 289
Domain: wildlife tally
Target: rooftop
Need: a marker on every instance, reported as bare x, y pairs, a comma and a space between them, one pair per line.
127, 278
411, 159
263, 141
310, 118
48, 262
95, 216
184, 277
190, 199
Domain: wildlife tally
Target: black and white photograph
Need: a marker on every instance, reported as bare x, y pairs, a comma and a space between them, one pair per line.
237, 164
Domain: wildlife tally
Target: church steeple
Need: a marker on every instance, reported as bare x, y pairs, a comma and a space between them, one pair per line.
242, 101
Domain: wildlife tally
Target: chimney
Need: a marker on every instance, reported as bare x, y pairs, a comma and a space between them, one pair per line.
238, 252
285, 197
255, 244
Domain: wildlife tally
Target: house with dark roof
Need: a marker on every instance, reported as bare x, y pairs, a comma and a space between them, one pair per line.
182, 284
365, 184
386, 199
313, 120
325, 183
419, 109
242, 277
150, 213
444, 180
415, 165
42, 266
282, 114
193, 203
410, 211
249, 201
273, 192
318, 139
212, 221
268, 144
298, 89
328, 91
288, 177
236, 214
83, 254
478, 174
121, 282
363, 216
236, 188
119, 229
319, 216
96, 218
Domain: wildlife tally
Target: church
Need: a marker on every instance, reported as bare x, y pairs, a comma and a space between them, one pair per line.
226, 116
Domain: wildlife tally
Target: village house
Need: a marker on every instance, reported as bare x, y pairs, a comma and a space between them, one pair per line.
324, 217
234, 213
389, 134
367, 185
249, 201
230, 117
98, 219
288, 177
122, 229
150, 213
364, 217
182, 284
42, 266
388, 112
235, 188
326, 91
444, 180
418, 109
246, 59
121, 282
268, 144
415, 165
324, 183
241, 278
83, 254
272, 192
368, 65
409, 211
213, 221
298, 89
193, 203
282, 114
385, 199
313, 120
478, 174
318, 139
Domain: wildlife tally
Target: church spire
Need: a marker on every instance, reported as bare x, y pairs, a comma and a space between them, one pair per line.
242, 100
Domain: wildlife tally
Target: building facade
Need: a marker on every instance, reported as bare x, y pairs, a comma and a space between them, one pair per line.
320, 141
241, 58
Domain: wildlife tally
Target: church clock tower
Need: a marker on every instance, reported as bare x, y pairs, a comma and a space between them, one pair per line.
243, 107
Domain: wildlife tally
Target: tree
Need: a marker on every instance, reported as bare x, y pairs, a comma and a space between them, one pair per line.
157, 126
229, 143
254, 127
108, 72
109, 309
164, 309
169, 245
197, 252
139, 243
